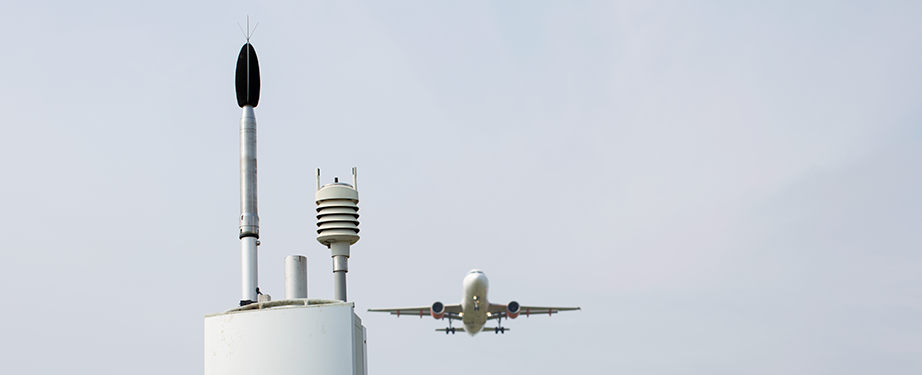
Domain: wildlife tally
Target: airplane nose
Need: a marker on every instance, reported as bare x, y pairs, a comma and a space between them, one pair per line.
480, 280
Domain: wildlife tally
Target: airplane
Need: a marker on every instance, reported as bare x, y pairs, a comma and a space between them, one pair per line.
474, 310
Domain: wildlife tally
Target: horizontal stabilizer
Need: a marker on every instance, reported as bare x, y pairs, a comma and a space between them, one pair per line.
456, 329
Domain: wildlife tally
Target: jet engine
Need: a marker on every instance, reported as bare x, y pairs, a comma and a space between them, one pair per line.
437, 310
512, 310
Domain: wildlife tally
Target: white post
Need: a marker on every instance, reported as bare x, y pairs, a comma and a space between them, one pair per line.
295, 276
248, 269
340, 251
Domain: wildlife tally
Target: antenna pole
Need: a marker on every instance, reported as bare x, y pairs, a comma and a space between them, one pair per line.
247, 86
249, 218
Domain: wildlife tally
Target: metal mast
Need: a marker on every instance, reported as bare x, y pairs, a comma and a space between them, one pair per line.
247, 85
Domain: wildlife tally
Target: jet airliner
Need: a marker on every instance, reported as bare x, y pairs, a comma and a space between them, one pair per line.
474, 310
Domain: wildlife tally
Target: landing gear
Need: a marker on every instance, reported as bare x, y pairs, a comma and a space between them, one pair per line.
450, 328
500, 329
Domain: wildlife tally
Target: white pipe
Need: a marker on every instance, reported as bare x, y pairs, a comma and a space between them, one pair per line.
248, 268
295, 276
340, 251
339, 286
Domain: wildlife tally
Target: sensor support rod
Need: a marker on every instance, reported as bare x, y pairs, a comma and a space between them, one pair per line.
249, 219
338, 226
340, 251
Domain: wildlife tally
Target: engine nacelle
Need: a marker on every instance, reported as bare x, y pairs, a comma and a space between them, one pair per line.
512, 310
437, 310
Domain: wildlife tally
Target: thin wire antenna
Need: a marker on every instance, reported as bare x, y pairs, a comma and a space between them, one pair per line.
244, 33
248, 33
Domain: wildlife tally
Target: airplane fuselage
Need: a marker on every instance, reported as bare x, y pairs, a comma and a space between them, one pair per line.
474, 303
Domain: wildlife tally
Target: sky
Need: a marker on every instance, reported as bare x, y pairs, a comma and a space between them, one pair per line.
723, 187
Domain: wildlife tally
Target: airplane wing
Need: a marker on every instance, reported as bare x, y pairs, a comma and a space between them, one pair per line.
461, 329
499, 311
451, 311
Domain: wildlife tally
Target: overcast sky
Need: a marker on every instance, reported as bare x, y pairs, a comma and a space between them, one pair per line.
723, 187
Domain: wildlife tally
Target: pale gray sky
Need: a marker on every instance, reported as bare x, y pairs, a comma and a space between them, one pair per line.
723, 187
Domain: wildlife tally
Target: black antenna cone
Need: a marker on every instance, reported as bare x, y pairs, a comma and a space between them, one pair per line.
247, 79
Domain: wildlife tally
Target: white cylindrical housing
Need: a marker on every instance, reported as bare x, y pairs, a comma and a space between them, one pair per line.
318, 337
295, 276
248, 269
